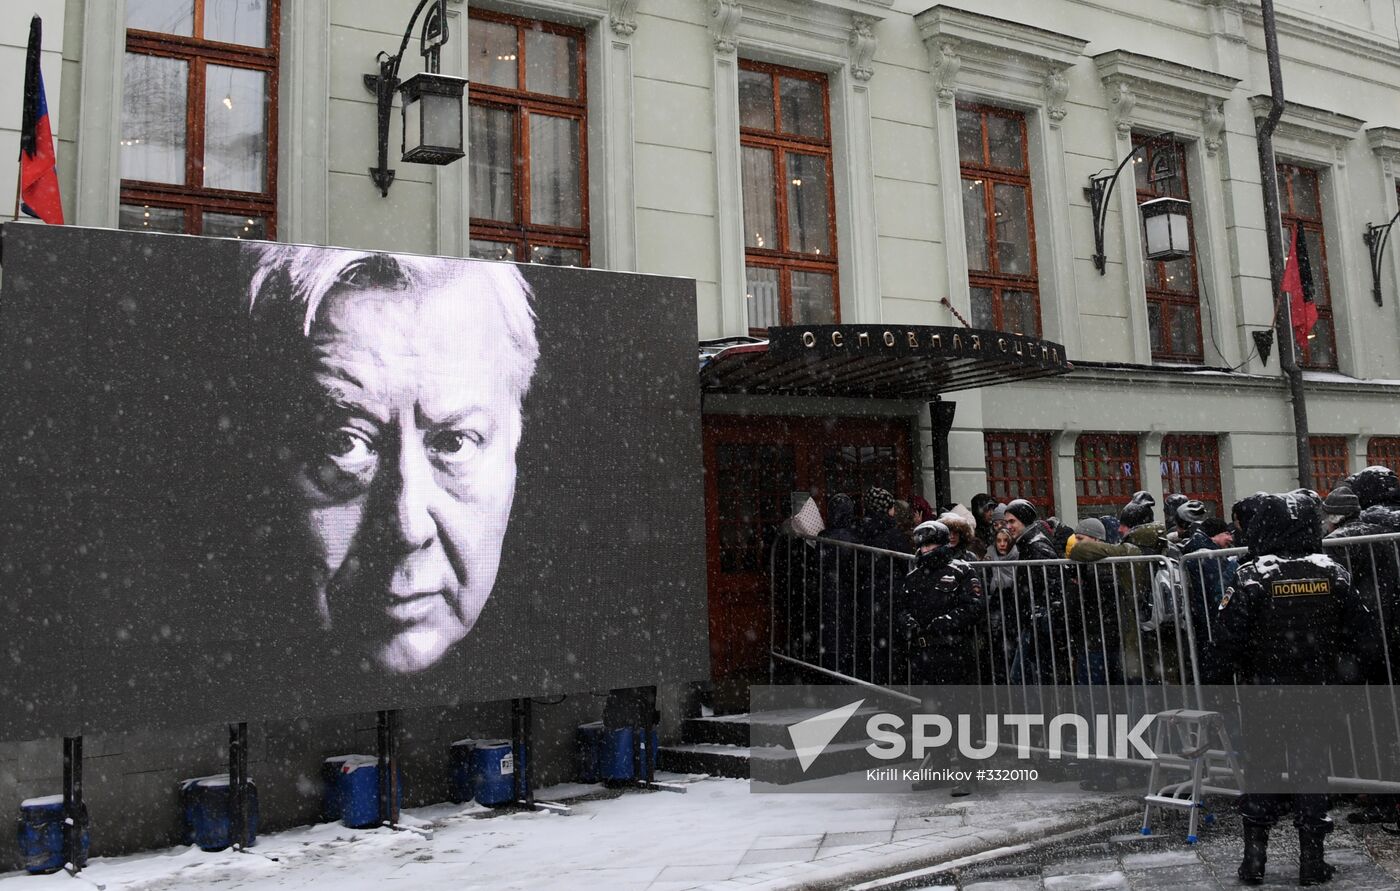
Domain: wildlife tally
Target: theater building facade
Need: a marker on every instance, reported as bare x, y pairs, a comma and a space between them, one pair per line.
859, 168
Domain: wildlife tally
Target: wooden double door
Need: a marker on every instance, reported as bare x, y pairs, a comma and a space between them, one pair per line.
754, 466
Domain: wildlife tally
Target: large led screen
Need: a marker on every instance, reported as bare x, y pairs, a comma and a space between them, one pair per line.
246, 480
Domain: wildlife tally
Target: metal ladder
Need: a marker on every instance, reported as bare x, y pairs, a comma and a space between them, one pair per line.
1194, 733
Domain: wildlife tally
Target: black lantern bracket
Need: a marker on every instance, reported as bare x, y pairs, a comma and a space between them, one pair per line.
1100, 190
1377, 237
386, 83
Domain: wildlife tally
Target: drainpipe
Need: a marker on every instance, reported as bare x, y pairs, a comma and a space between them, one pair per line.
1273, 229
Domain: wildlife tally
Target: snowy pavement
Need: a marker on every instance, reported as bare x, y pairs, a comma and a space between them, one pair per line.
718, 835
1123, 860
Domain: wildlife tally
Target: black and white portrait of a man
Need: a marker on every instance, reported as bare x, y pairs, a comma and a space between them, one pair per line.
398, 393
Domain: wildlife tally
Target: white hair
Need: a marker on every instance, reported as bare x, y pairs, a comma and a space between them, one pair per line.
299, 276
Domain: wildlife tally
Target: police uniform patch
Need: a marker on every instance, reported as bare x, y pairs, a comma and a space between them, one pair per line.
1225, 598
1301, 588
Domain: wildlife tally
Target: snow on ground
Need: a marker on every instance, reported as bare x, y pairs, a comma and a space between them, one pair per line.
717, 835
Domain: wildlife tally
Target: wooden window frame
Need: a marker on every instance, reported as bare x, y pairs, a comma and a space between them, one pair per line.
1119, 447
1384, 451
1330, 457
990, 175
781, 259
521, 233
1167, 301
196, 200
1204, 485
1005, 487
1291, 218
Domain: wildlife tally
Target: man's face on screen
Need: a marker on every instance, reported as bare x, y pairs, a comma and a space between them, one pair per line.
405, 471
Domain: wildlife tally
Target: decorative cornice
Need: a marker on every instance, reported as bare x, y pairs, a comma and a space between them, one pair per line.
622, 17
969, 44
945, 62
1213, 124
1056, 90
1371, 46
1121, 102
862, 46
820, 34
1385, 142
1162, 90
725, 16
1316, 125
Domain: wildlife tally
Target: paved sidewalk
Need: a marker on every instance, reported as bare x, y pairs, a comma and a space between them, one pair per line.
1130, 862
718, 835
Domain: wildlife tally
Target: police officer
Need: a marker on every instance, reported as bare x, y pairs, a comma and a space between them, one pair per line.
1290, 618
941, 605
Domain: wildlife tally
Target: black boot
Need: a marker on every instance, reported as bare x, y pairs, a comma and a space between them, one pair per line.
1312, 869
1256, 845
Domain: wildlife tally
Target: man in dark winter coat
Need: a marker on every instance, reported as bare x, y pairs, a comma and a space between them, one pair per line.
1290, 618
942, 607
1038, 609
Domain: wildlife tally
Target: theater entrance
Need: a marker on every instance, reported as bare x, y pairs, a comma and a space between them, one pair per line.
754, 466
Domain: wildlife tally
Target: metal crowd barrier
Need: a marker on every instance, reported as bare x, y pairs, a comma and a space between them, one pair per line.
1132, 633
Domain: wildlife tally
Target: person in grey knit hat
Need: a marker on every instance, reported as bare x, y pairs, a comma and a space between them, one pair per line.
1340, 506
1091, 527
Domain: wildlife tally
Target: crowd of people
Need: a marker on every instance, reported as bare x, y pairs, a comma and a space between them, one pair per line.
1286, 611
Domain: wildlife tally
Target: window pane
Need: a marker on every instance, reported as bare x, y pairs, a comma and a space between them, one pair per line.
1304, 192
479, 249
975, 224
234, 225
756, 100
491, 49
809, 229
235, 132
969, 137
1313, 238
1018, 313
812, 298
164, 16
760, 199
1155, 330
983, 309
153, 119
1004, 141
1013, 231
801, 103
761, 295
236, 21
551, 63
1186, 338
491, 135
550, 255
555, 197
1177, 276
1320, 344
151, 219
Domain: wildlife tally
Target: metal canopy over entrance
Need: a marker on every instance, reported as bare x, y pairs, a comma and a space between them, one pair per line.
877, 361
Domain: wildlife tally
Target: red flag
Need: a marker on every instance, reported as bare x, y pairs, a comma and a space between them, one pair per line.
38, 164
1297, 284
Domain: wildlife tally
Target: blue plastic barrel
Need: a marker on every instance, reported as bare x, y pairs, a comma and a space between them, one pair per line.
588, 738
330, 785
615, 754
358, 791
206, 803
492, 771
40, 832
